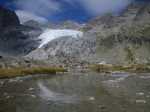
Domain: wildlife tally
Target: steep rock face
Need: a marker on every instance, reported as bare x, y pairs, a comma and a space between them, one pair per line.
126, 41
8, 18
15, 39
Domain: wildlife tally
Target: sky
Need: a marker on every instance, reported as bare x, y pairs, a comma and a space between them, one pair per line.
61, 10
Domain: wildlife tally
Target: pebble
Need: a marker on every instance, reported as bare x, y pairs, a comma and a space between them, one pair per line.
20, 80
33, 96
7, 97
102, 107
140, 101
12, 80
1, 83
5, 94
147, 96
91, 98
144, 77
31, 89
140, 94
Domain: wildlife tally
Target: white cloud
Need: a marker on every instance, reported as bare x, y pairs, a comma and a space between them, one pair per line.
96, 7
47, 8
39, 7
26, 16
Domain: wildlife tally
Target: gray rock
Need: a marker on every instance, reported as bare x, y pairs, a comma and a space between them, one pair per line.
16, 39
126, 41
67, 47
8, 18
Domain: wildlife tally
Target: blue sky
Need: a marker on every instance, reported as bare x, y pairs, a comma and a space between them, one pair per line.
60, 10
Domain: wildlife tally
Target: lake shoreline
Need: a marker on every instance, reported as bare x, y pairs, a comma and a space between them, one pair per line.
12, 72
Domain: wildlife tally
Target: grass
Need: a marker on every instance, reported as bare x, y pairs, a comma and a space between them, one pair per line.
133, 68
14, 72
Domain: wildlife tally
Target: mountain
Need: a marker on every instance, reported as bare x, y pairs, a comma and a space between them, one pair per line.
116, 39
15, 39
125, 39
5, 17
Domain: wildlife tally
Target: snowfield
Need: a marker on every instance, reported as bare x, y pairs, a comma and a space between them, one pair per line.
51, 34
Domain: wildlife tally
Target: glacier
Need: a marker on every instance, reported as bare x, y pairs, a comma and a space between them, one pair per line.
51, 34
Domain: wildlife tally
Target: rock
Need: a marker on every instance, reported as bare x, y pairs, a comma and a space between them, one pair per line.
70, 25
141, 101
8, 18
126, 38
102, 107
1, 83
91, 98
102, 63
1, 57
31, 89
33, 96
147, 96
140, 94
8, 97
15, 39
32, 24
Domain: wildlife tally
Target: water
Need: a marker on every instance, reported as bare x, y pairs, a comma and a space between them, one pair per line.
77, 92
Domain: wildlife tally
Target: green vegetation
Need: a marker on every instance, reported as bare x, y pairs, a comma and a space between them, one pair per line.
133, 68
14, 72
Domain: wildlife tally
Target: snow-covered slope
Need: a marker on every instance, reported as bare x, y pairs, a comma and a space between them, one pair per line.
51, 34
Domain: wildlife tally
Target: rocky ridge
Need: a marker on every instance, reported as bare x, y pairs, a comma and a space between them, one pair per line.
15, 39
127, 39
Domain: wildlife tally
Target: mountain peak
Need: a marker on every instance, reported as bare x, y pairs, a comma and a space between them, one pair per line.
8, 18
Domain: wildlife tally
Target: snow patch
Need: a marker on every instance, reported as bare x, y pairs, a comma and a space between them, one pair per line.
51, 34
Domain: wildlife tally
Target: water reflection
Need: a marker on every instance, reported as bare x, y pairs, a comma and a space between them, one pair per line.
49, 95
77, 93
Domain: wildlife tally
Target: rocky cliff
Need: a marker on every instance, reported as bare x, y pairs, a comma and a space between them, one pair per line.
8, 18
126, 39
15, 39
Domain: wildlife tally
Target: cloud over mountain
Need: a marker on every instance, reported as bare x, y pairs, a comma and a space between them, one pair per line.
68, 9
26, 16
39, 7
94, 7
